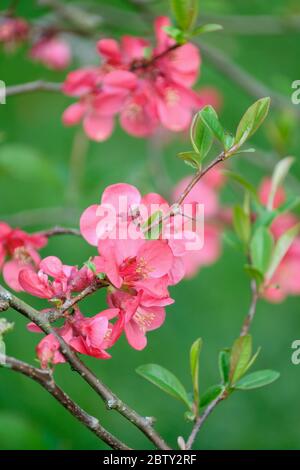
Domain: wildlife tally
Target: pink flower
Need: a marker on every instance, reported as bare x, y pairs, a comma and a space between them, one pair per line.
48, 348
138, 318
18, 250
66, 279
92, 336
53, 52
102, 97
144, 91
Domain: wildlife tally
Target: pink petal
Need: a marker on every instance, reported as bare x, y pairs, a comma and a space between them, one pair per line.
121, 195
88, 224
73, 114
108, 104
157, 256
135, 336
11, 271
134, 48
120, 79
98, 127
30, 282
110, 49
52, 266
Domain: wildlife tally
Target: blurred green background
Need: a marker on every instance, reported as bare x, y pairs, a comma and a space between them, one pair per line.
39, 188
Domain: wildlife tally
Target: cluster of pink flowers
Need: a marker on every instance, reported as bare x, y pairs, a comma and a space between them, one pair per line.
286, 279
136, 270
18, 249
145, 86
48, 48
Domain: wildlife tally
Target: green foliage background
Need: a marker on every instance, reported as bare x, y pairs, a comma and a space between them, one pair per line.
34, 174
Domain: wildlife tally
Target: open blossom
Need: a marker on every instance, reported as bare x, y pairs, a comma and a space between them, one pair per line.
18, 250
53, 52
65, 279
145, 90
286, 279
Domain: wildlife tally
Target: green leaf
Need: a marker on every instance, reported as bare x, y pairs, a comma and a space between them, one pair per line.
282, 246
241, 224
239, 357
252, 120
254, 274
291, 204
228, 140
191, 158
185, 12
210, 118
194, 365
281, 170
153, 226
257, 379
261, 248
206, 28
165, 380
224, 365
176, 34
210, 394
252, 360
242, 181
201, 136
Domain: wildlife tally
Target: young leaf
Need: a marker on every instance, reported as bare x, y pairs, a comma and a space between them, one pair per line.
252, 120
281, 248
261, 248
252, 360
257, 379
241, 223
254, 274
191, 158
228, 141
224, 365
176, 34
210, 118
240, 356
201, 136
206, 28
153, 226
279, 174
194, 364
210, 395
165, 380
185, 12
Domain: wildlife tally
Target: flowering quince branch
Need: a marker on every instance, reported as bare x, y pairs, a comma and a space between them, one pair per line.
110, 399
52, 232
250, 316
45, 378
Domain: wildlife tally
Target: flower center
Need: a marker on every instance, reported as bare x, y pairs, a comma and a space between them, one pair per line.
143, 319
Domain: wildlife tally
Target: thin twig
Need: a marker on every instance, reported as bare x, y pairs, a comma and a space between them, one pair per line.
145, 424
45, 379
201, 419
220, 158
38, 85
252, 309
60, 231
